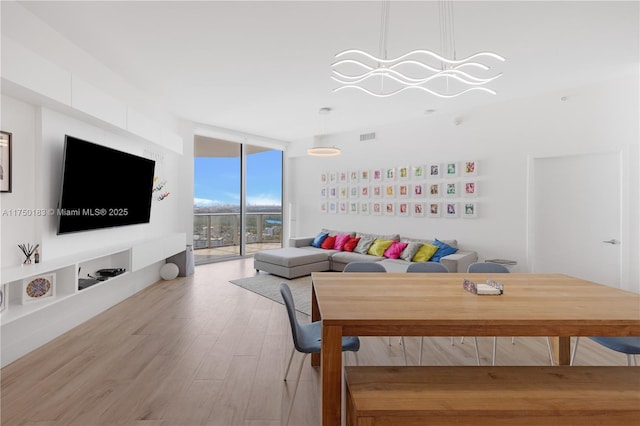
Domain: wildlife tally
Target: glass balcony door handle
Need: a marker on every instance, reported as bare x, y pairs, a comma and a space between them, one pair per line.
612, 241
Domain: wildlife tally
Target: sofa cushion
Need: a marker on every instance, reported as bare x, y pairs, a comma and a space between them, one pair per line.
425, 252
344, 257
394, 250
334, 232
317, 241
379, 246
351, 244
365, 242
291, 256
329, 242
341, 239
410, 251
443, 250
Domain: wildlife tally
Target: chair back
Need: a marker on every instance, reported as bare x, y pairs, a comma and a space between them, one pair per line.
364, 267
427, 267
296, 330
487, 267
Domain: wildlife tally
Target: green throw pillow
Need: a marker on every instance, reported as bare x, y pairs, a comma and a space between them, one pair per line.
425, 253
379, 246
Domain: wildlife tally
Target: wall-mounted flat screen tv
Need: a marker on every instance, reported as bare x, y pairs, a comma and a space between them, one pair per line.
103, 187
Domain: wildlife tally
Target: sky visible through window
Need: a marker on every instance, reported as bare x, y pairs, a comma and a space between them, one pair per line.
217, 180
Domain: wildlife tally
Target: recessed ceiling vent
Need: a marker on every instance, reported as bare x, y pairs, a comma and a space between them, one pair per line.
367, 136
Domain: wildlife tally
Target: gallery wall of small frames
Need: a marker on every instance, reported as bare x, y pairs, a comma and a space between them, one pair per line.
437, 190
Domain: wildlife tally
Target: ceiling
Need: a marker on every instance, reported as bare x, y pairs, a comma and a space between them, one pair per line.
263, 67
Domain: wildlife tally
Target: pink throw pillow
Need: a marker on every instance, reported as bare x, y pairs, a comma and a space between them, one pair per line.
394, 250
341, 239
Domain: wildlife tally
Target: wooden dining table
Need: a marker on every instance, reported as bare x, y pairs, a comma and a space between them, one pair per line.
435, 304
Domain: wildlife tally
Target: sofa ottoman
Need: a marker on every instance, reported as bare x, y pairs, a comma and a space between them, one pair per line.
292, 262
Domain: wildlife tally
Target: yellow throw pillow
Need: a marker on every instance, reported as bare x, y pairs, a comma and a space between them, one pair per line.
425, 253
379, 246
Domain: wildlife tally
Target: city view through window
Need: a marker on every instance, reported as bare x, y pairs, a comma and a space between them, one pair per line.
217, 203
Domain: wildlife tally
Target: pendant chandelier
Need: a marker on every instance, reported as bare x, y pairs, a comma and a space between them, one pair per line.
319, 149
418, 69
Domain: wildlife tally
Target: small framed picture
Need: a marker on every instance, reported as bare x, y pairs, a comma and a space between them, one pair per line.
365, 176
333, 207
403, 209
434, 171
470, 168
39, 288
343, 192
417, 190
434, 210
364, 208
333, 178
354, 191
5, 161
451, 170
403, 191
470, 210
451, 210
452, 189
343, 177
364, 191
376, 208
333, 192
324, 192
389, 208
377, 175
470, 189
403, 172
376, 191
324, 207
343, 207
324, 178
354, 176
390, 191
417, 210
353, 207
417, 172
434, 190
390, 173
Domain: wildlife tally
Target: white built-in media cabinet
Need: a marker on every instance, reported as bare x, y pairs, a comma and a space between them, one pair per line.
28, 324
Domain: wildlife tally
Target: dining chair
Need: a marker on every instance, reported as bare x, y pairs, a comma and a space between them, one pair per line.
626, 345
307, 339
429, 267
496, 268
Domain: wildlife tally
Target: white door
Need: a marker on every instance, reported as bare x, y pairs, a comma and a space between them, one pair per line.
576, 223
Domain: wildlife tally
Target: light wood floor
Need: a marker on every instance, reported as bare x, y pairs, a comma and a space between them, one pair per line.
199, 350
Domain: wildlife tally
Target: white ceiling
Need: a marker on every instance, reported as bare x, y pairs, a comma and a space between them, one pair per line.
263, 67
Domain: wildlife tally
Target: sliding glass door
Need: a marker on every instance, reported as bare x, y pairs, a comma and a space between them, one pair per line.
237, 199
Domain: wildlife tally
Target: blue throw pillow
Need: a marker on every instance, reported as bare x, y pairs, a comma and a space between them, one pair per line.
443, 250
317, 241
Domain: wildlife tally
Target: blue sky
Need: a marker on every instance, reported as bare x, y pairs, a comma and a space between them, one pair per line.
217, 180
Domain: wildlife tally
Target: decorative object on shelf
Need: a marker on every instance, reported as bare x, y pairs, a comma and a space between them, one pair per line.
36, 256
39, 288
5, 161
3, 297
28, 250
441, 75
157, 188
169, 271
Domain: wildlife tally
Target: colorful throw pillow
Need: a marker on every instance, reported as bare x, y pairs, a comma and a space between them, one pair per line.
364, 244
351, 244
443, 250
379, 246
341, 239
317, 241
329, 242
394, 250
410, 251
425, 253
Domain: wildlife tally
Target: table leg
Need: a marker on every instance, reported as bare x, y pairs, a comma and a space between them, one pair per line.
331, 375
315, 316
562, 349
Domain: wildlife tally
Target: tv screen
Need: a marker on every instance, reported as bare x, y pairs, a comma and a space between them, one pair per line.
103, 187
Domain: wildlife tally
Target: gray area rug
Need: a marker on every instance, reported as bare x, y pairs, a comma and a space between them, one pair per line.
268, 285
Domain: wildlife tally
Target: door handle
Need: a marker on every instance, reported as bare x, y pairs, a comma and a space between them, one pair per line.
612, 241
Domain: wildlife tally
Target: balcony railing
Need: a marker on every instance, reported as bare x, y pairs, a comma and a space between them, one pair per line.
222, 230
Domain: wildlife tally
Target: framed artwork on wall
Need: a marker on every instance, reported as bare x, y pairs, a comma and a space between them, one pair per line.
452, 189
354, 176
376, 208
418, 210
390, 173
364, 208
434, 210
389, 209
433, 171
451, 170
470, 168
343, 192
342, 207
377, 175
470, 210
364, 191
343, 177
376, 191
333, 207
470, 189
364, 175
333, 192
5, 161
389, 191
403, 209
417, 190
354, 191
324, 178
434, 190
353, 207
324, 207
403, 191
451, 210
403, 172
324, 192
333, 178
417, 172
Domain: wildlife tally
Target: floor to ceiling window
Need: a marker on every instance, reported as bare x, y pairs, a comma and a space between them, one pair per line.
237, 199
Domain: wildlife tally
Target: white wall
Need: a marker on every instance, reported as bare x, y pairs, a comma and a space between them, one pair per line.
599, 118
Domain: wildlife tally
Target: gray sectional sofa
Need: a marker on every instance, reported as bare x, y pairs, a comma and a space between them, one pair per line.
301, 258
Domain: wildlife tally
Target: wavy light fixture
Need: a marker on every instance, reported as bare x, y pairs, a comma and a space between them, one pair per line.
383, 77
318, 150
